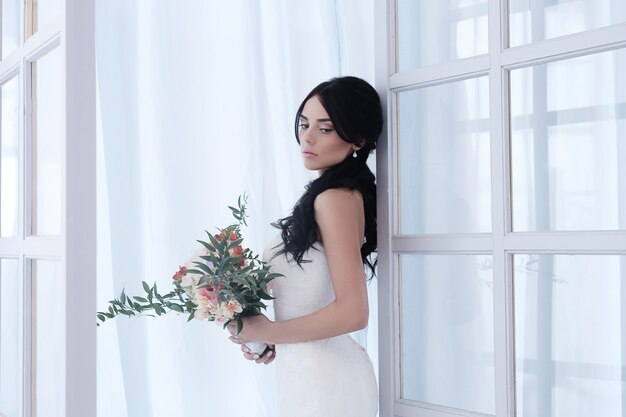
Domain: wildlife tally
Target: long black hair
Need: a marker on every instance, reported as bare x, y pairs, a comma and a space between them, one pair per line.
355, 111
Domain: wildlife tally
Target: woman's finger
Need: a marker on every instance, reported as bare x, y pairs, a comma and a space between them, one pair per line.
238, 340
235, 340
267, 358
232, 328
251, 356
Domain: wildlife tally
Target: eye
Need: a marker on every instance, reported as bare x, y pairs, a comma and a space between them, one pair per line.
326, 129
303, 126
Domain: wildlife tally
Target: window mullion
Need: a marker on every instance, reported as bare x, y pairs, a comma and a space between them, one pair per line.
499, 134
388, 333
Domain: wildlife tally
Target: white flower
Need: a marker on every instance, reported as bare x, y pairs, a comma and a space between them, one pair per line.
201, 313
188, 281
227, 310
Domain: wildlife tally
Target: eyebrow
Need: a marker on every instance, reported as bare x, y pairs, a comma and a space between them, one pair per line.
319, 120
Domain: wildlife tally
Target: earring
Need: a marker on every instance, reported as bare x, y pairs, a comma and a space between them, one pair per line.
354, 154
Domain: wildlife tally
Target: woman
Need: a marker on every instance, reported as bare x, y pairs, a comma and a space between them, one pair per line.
321, 251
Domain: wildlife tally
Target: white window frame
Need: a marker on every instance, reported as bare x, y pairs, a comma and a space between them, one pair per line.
74, 34
501, 243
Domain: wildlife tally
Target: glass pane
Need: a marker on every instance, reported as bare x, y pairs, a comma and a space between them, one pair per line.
48, 337
568, 145
10, 338
447, 330
443, 158
9, 164
570, 335
48, 144
47, 12
537, 20
10, 26
432, 32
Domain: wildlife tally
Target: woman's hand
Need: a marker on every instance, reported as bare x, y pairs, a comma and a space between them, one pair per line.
255, 329
266, 358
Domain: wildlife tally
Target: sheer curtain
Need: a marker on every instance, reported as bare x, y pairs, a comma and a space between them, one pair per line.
196, 106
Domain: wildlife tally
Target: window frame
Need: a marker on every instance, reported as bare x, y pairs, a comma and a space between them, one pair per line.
502, 243
73, 32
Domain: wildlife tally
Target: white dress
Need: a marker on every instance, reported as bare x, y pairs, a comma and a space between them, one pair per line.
323, 378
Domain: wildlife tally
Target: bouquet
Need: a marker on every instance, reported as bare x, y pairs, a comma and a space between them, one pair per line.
222, 282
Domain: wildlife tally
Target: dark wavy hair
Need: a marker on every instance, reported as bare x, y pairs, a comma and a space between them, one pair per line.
355, 111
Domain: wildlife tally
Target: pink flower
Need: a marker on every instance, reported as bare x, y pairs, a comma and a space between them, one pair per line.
237, 252
180, 274
209, 294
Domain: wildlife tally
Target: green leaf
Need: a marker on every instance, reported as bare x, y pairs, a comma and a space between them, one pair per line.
206, 245
176, 307
123, 297
146, 287
235, 243
214, 242
141, 299
264, 295
204, 267
191, 316
239, 325
101, 317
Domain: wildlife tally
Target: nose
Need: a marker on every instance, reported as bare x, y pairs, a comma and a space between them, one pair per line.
304, 136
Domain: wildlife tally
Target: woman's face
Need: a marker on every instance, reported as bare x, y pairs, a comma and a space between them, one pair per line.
320, 144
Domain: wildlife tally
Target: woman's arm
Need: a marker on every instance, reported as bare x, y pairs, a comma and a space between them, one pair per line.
341, 221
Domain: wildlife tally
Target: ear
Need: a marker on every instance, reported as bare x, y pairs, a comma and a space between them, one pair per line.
359, 146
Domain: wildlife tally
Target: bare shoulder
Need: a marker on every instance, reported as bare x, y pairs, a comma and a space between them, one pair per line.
340, 215
338, 199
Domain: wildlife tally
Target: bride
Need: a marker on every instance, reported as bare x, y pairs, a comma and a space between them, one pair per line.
322, 250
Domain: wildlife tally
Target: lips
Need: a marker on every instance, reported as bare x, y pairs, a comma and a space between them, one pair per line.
308, 154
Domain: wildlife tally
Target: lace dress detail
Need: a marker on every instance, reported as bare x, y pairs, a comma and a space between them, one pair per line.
331, 377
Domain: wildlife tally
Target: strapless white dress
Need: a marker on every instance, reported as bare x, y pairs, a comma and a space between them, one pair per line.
323, 378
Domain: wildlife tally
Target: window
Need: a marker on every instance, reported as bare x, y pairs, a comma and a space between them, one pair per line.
47, 209
502, 248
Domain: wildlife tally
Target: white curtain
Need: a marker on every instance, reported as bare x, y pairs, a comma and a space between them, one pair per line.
196, 106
